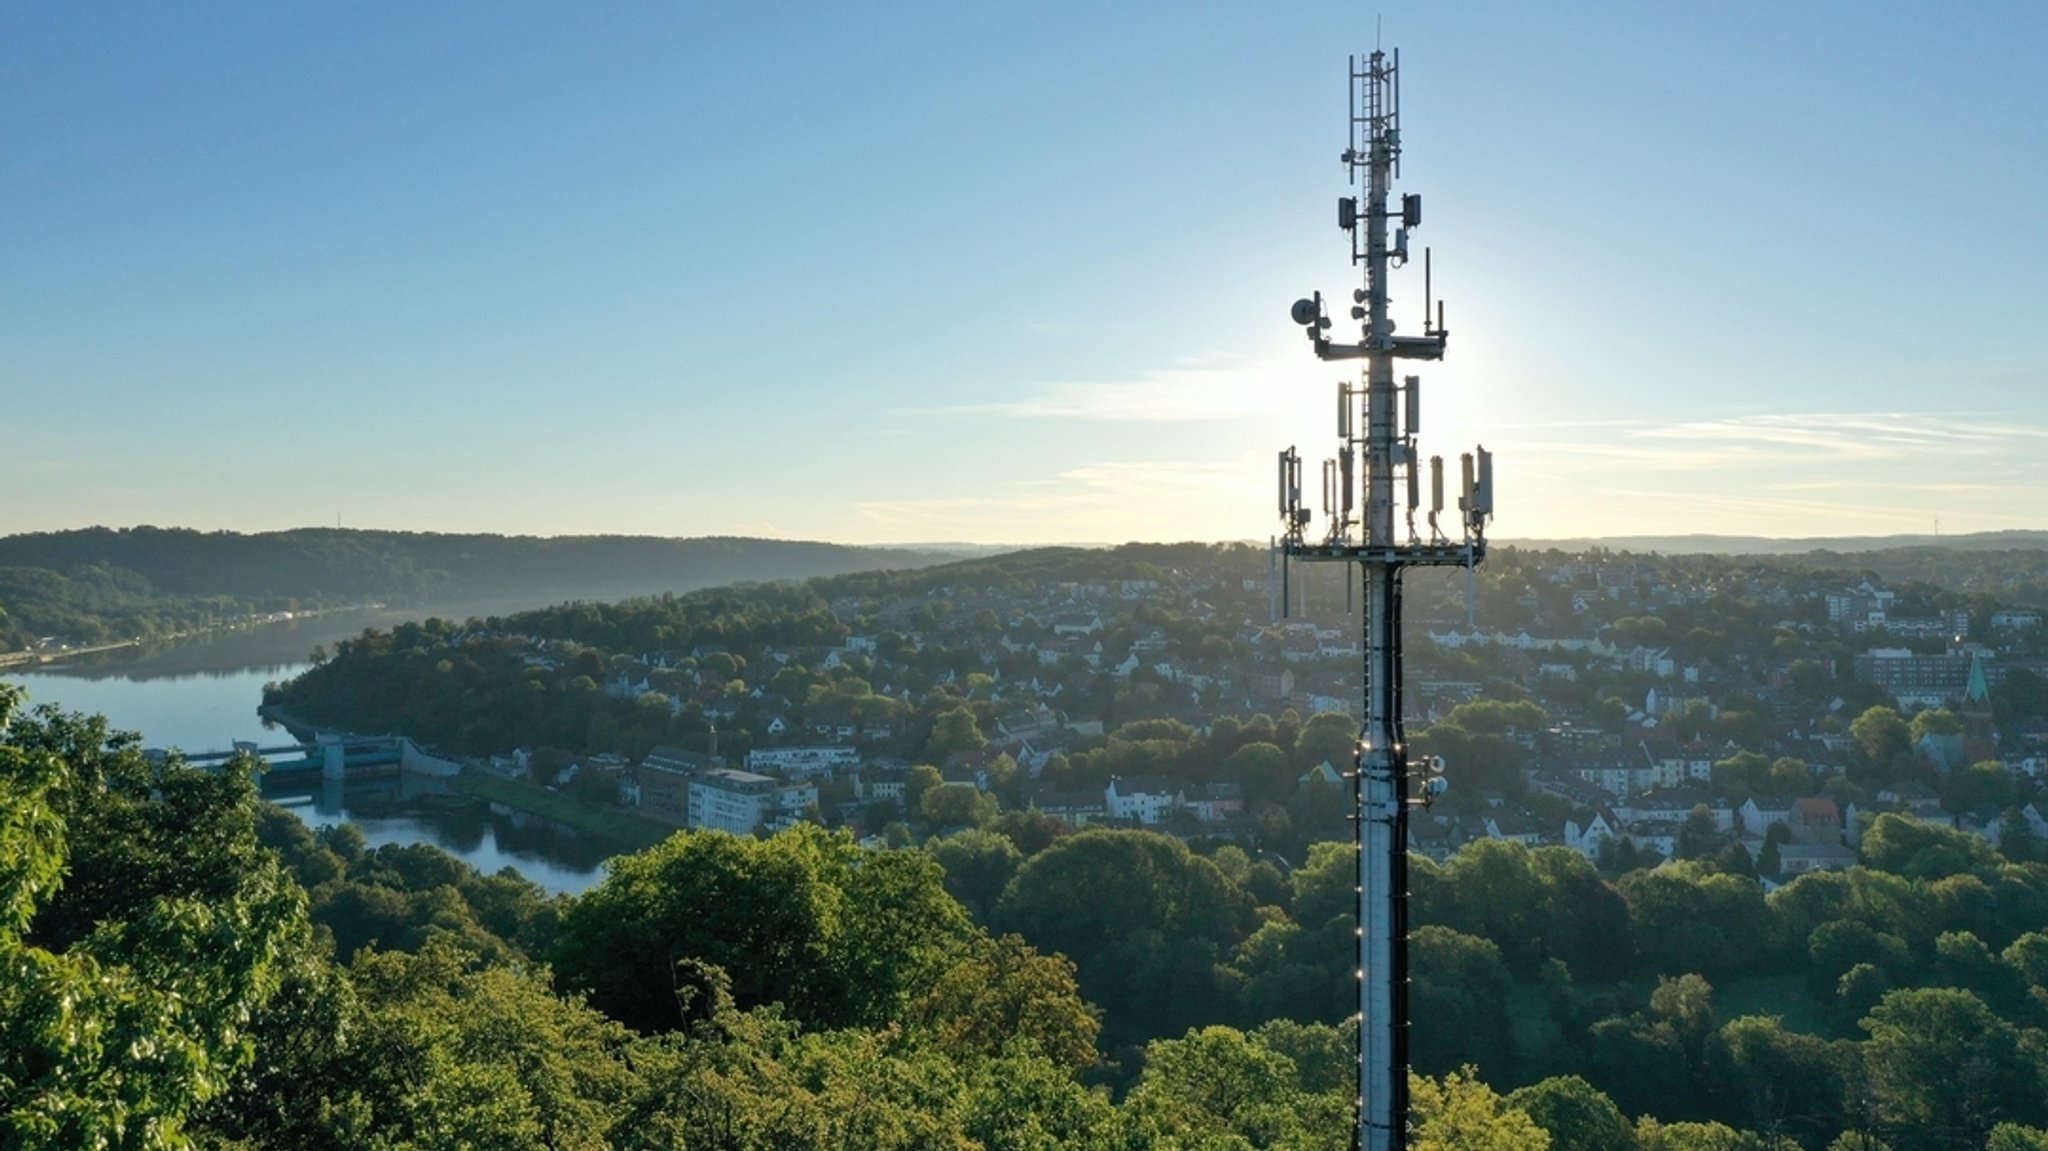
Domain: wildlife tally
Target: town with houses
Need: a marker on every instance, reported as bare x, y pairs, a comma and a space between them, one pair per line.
1664, 707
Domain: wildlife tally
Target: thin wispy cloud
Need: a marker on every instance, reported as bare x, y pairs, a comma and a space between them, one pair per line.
1743, 475
1861, 486
1091, 501
1202, 388
1776, 440
1171, 481
1850, 436
1882, 471
1583, 455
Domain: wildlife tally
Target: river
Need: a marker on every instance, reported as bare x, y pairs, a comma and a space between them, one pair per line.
200, 694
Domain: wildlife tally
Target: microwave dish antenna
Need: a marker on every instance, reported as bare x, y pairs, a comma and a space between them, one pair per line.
1372, 493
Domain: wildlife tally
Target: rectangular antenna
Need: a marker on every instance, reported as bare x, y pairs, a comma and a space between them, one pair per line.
1350, 169
1286, 591
1428, 297
1378, 463
1394, 123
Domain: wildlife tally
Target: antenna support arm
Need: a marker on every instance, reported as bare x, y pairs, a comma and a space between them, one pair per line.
1429, 347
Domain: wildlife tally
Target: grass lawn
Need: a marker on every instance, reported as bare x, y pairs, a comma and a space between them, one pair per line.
1539, 1045
616, 828
1785, 996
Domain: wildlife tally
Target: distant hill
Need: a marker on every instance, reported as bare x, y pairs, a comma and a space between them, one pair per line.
99, 582
1763, 545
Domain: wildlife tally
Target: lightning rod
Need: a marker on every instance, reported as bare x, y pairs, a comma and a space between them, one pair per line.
1375, 529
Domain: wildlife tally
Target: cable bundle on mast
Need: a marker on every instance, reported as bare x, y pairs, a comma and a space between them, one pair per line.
1377, 470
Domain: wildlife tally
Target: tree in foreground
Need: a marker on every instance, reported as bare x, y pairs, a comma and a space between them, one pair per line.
1576, 1114
1219, 1087
1144, 920
1945, 1069
755, 1081
1654, 1136
1460, 1113
1005, 995
837, 934
2013, 1137
140, 929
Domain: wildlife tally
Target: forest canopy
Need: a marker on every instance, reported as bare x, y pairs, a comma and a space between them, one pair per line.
193, 968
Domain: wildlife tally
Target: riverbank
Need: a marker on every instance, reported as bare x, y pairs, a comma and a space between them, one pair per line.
43, 657
22, 659
617, 828
296, 726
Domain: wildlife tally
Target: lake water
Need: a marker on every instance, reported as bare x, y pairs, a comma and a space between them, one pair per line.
201, 695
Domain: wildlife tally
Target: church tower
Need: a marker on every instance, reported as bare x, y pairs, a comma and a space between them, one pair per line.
1980, 734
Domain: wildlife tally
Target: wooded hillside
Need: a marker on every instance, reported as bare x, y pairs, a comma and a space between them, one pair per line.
100, 583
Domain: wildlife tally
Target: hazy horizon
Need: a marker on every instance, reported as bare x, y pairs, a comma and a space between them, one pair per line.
1673, 543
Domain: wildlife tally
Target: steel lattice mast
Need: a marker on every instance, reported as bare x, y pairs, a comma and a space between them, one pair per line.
1377, 459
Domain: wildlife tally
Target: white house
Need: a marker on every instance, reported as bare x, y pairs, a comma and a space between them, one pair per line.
1586, 838
1757, 818
1145, 798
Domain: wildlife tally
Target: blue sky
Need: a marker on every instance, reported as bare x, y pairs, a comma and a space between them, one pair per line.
919, 272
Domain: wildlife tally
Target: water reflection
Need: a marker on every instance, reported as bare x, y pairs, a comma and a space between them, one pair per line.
411, 809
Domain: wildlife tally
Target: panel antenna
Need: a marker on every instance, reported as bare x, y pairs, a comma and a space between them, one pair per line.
1381, 458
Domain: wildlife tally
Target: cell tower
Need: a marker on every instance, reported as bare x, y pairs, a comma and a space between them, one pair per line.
1375, 471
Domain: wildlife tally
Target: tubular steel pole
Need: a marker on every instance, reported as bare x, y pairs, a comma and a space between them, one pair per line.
1383, 1110
1379, 792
